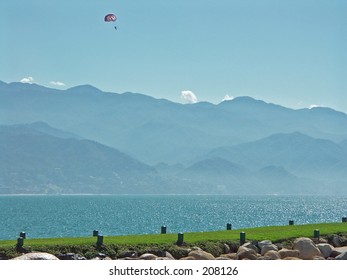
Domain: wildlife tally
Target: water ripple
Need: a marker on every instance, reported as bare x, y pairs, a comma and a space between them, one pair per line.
64, 216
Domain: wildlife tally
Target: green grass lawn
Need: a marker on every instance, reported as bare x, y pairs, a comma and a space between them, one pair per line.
273, 233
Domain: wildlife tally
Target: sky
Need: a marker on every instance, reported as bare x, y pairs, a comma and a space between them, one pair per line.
288, 52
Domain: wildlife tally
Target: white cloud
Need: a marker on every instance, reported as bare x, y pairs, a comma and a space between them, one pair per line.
58, 84
27, 80
313, 106
227, 97
189, 96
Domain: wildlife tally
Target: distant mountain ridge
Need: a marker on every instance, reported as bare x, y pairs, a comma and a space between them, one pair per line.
135, 123
298, 153
238, 146
33, 161
38, 127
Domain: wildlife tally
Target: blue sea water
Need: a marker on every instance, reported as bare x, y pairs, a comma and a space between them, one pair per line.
78, 215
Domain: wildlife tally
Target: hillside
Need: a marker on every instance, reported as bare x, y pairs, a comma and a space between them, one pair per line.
36, 162
298, 153
157, 130
84, 140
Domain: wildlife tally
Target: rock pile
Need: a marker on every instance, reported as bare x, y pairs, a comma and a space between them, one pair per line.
302, 249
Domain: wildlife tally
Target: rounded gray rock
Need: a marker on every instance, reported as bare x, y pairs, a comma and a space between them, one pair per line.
201, 255
307, 249
36, 256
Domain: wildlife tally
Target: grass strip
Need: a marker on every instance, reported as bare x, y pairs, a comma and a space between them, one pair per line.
273, 233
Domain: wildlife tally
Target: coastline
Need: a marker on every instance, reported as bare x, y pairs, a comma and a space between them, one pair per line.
216, 244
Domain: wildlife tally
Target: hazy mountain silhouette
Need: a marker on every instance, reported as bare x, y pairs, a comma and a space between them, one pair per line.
300, 154
36, 162
136, 123
238, 146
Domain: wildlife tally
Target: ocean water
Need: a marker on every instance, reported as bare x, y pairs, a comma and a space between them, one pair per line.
78, 215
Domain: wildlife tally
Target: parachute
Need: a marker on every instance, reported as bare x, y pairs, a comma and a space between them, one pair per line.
111, 18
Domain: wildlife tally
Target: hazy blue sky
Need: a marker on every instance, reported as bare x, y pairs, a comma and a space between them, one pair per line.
289, 52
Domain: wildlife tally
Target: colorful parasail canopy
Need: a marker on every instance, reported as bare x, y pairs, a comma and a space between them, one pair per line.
110, 17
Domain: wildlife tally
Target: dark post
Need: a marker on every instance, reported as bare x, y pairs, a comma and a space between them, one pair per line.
316, 233
291, 222
344, 219
229, 226
20, 242
163, 230
180, 239
95, 232
242, 237
23, 235
100, 240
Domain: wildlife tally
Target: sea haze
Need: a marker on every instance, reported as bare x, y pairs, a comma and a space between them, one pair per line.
86, 141
78, 215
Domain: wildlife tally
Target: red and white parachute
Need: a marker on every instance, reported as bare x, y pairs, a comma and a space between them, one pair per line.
110, 17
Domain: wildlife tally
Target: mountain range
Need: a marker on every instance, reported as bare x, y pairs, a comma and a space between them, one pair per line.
84, 140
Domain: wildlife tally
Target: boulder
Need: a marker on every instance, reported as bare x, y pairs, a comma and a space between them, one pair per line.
338, 251
266, 248
36, 256
334, 254
263, 243
272, 255
286, 253
246, 253
187, 258
251, 246
128, 254
326, 249
318, 258
291, 258
226, 248
71, 256
307, 249
336, 241
323, 240
105, 259
98, 258
102, 256
342, 256
201, 255
148, 256
230, 256
168, 255
339, 240
341, 249
223, 258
